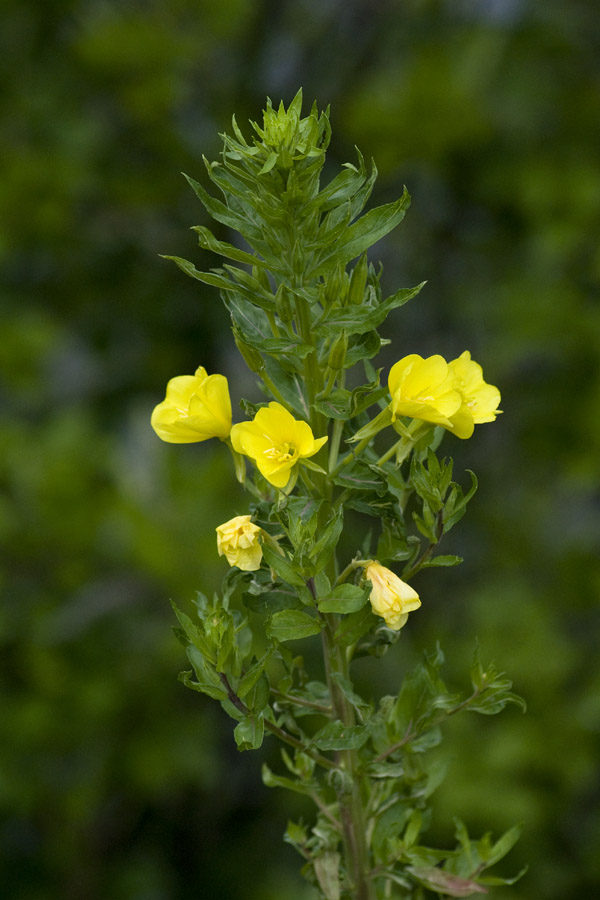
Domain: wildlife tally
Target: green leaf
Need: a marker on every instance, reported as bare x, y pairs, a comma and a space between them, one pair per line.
195, 635
295, 834
442, 561
354, 626
369, 229
456, 504
299, 787
217, 279
346, 598
389, 826
363, 708
282, 566
326, 544
215, 691
503, 845
359, 320
497, 880
273, 600
222, 213
337, 736
336, 405
291, 387
249, 733
292, 625
208, 241
360, 476
253, 674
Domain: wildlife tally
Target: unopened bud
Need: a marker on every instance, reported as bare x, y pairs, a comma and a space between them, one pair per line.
261, 276
336, 289
337, 353
358, 280
283, 304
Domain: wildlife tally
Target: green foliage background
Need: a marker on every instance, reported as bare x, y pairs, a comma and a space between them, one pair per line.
115, 781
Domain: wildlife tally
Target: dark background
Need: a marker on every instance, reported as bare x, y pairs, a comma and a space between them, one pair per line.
116, 782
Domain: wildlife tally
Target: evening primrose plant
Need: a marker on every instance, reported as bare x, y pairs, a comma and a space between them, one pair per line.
331, 442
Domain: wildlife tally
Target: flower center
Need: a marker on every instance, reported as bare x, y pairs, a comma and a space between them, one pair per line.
282, 453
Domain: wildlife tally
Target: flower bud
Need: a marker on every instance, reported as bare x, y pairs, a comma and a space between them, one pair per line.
358, 281
238, 540
391, 598
337, 353
283, 304
197, 407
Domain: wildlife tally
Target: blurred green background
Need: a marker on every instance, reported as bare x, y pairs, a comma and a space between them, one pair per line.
116, 782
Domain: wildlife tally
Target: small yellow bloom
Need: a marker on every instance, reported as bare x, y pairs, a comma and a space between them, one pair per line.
424, 389
390, 597
479, 400
276, 442
197, 407
238, 540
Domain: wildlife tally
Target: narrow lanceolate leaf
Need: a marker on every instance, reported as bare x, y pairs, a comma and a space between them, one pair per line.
503, 845
282, 566
222, 213
324, 546
208, 241
221, 281
292, 625
366, 319
252, 675
364, 233
300, 787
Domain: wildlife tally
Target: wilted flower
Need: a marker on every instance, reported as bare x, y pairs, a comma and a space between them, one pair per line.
276, 442
390, 597
424, 389
197, 407
479, 399
238, 540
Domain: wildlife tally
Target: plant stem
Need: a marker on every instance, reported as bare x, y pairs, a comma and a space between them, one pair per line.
348, 789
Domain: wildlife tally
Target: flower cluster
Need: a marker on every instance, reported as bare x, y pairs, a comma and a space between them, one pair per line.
198, 407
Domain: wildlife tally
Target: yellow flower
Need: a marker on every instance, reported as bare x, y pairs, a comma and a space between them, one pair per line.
424, 389
197, 407
276, 442
238, 540
390, 597
479, 399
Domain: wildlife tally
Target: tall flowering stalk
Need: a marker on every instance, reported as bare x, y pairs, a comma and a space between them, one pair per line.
330, 440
